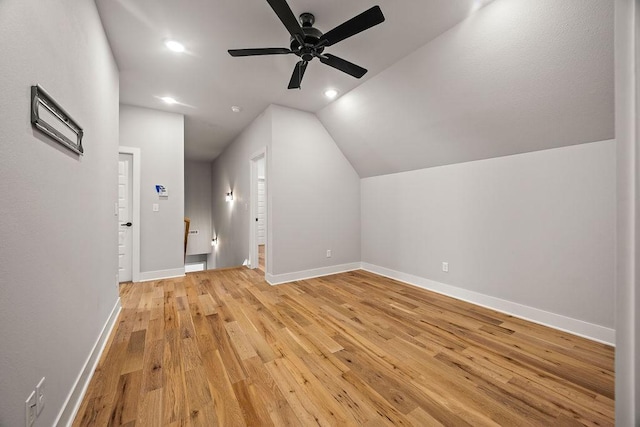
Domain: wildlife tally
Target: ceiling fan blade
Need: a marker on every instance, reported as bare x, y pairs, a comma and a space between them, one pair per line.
343, 65
298, 74
282, 9
260, 51
353, 26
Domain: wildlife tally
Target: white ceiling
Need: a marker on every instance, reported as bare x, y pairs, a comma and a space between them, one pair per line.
207, 81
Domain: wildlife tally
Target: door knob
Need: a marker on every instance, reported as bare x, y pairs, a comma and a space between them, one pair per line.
128, 224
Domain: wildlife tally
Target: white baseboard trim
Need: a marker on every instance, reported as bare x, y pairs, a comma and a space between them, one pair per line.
567, 324
74, 399
278, 279
192, 267
147, 276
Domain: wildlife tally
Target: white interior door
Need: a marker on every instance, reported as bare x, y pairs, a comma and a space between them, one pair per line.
262, 212
125, 204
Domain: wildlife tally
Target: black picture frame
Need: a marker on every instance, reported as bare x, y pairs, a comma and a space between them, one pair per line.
40, 99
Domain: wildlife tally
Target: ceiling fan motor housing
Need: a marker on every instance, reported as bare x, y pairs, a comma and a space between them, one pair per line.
311, 38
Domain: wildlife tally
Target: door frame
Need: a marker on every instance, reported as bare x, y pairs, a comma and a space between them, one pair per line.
135, 250
253, 202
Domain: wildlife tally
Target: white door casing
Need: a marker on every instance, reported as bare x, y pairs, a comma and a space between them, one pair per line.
125, 202
254, 160
262, 211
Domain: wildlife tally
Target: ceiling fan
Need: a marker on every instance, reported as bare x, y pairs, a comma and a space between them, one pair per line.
308, 42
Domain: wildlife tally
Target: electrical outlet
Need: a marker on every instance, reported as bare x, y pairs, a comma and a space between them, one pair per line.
40, 396
328, 253
445, 267
30, 409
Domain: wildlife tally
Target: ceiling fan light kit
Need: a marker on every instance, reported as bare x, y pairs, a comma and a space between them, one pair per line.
307, 42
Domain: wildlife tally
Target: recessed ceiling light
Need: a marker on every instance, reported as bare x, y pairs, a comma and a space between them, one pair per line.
169, 100
236, 109
174, 46
330, 93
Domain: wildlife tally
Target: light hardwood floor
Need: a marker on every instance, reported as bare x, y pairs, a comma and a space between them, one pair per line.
225, 348
261, 250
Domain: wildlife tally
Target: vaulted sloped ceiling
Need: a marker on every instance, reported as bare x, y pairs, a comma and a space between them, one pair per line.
517, 76
206, 81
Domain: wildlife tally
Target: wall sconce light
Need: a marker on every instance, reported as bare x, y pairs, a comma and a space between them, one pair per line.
214, 241
229, 197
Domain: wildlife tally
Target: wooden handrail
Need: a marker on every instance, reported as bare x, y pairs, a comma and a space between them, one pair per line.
187, 223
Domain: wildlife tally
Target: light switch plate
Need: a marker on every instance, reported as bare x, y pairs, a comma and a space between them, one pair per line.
156, 207
30, 409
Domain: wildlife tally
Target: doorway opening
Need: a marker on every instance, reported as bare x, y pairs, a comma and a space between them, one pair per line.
259, 210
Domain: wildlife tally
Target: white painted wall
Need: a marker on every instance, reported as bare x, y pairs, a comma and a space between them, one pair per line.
230, 171
315, 195
160, 137
536, 229
517, 76
58, 231
628, 186
197, 196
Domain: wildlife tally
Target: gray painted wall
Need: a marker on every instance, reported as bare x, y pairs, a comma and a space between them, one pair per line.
315, 195
230, 171
197, 206
515, 77
627, 287
537, 229
160, 137
58, 231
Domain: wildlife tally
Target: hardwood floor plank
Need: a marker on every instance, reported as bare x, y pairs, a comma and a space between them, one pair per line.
225, 404
198, 392
208, 304
253, 412
174, 403
542, 393
155, 331
386, 412
349, 398
93, 412
269, 395
230, 359
125, 404
240, 343
419, 417
312, 387
224, 348
206, 416
150, 409
306, 411
152, 366
135, 352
